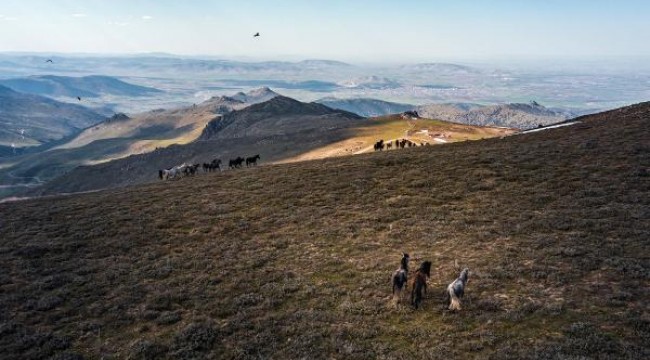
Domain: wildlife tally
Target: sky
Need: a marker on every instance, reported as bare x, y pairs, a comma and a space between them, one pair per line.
347, 30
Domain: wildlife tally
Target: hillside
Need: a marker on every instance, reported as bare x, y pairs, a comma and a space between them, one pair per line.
365, 107
521, 116
280, 115
30, 120
85, 86
118, 137
280, 130
158, 128
293, 260
277, 129
393, 127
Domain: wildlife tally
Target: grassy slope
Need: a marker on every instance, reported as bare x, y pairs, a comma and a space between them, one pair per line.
289, 260
114, 140
394, 127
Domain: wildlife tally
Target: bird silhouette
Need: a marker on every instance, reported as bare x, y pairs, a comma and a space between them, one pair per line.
256, 35
49, 61
78, 98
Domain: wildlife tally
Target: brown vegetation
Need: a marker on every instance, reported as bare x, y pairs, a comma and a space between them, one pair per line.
295, 260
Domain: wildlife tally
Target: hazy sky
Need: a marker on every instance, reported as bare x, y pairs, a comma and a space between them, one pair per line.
350, 30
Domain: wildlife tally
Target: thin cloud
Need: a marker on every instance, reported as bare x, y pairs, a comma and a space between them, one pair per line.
78, 15
117, 23
147, 17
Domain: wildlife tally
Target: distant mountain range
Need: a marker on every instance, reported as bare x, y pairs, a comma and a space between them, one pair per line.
370, 82
86, 86
441, 68
29, 120
366, 107
521, 116
156, 65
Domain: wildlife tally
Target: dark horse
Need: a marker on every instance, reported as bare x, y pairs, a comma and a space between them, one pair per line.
214, 165
400, 276
191, 170
252, 160
420, 283
235, 163
379, 145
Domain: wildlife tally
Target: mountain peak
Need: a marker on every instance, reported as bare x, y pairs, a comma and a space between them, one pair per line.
256, 95
278, 115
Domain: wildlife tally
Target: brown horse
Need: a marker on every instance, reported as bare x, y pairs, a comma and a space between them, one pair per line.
420, 284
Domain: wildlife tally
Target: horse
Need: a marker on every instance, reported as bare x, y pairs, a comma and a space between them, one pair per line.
400, 277
236, 163
456, 290
252, 160
389, 145
215, 164
191, 169
207, 167
379, 145
420, 284
172, 173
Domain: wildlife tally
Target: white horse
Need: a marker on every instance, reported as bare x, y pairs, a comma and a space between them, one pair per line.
456, 290
173, 173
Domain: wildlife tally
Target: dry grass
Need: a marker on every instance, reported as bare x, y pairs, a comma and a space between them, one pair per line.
389, 128
294, 260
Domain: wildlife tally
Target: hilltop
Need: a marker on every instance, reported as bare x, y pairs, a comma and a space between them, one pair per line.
31, 120
85, 86
292, 260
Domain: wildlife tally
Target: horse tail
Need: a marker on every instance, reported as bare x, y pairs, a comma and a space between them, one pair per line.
454, 302
416, 294
160, 174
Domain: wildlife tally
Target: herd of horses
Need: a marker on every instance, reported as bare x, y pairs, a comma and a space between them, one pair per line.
215, 165
398, 144
453, 293
182, 170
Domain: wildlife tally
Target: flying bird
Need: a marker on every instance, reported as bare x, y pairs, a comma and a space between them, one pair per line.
49, 61
256, 35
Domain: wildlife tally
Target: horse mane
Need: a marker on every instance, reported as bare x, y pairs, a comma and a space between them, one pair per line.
425, 268
404, 263
464, 275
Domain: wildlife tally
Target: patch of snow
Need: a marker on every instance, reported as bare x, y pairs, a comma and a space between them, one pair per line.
549, 127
